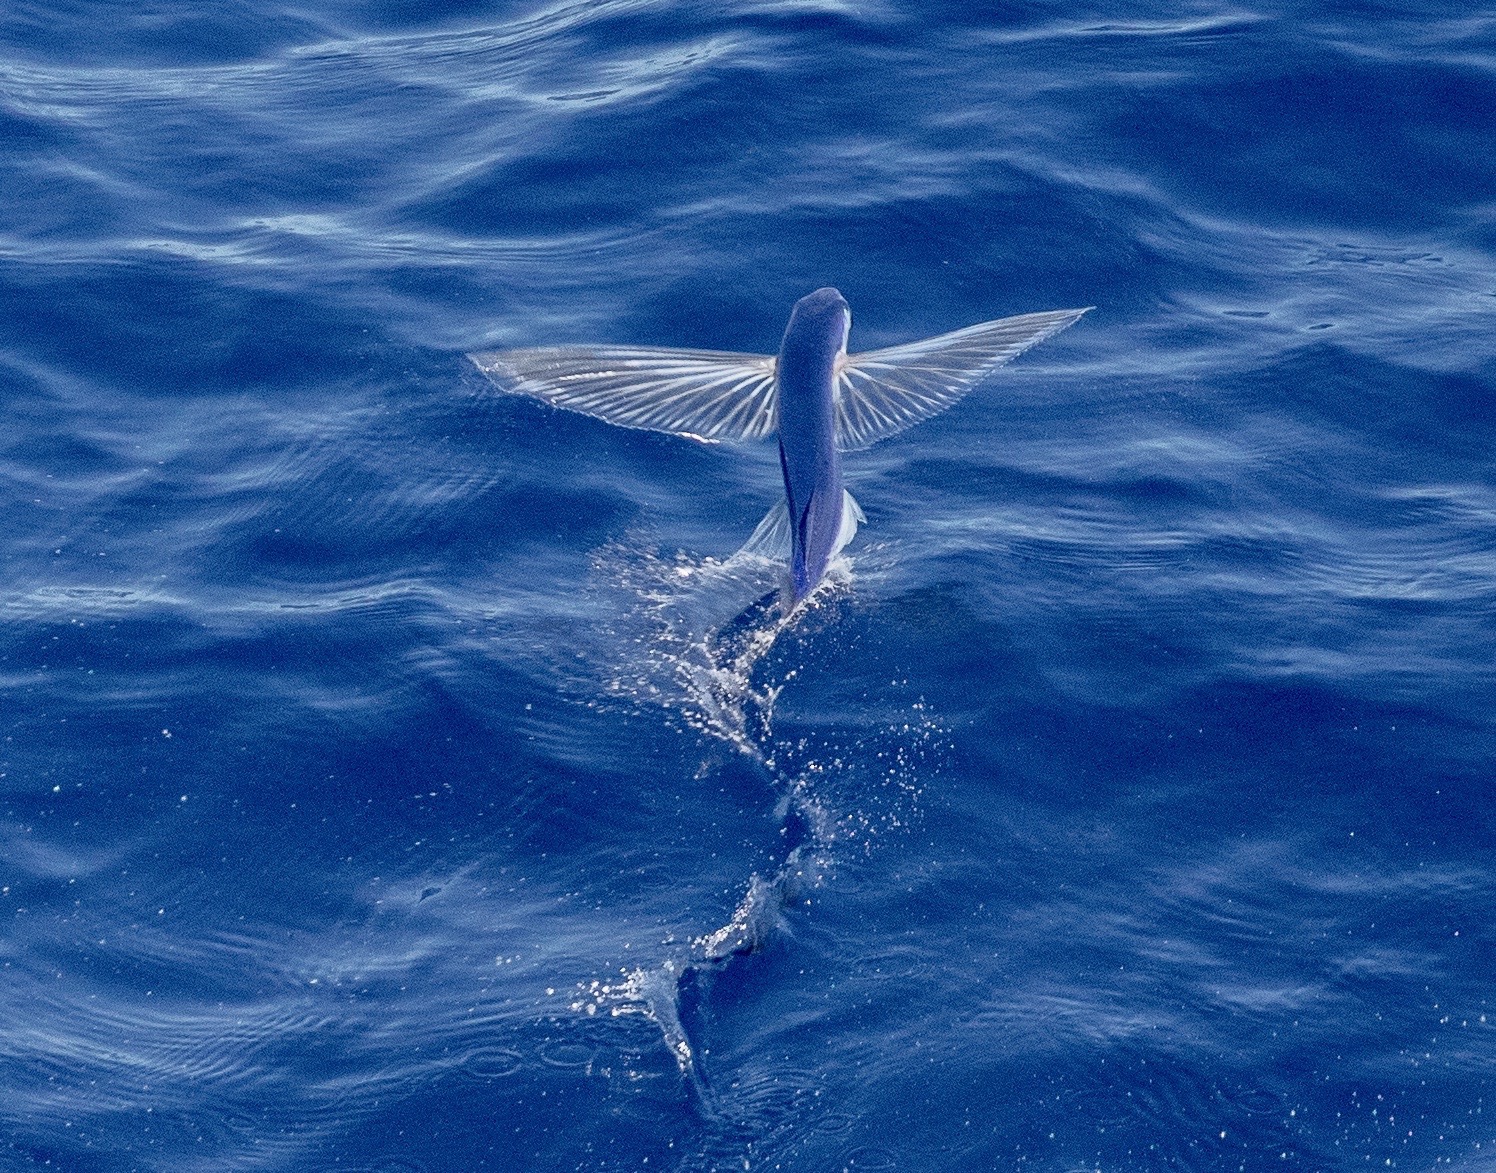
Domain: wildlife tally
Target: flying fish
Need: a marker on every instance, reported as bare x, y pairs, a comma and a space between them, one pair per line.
816, 398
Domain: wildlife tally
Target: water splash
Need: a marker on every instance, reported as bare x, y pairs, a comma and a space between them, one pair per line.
699, 627
696, 639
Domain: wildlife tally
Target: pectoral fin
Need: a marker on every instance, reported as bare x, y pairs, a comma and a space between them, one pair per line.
882, 392
705, 394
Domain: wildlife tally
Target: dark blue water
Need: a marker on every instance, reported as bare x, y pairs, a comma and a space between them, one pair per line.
391, 779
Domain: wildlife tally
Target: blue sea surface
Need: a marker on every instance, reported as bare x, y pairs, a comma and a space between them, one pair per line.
398, 775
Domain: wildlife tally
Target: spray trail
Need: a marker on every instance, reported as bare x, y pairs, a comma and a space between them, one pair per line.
700, 632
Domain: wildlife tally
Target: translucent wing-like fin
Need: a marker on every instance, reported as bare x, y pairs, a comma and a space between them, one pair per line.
852, 516
707, 394
882, 392
771, 540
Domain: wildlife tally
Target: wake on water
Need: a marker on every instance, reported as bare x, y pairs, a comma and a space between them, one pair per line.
696, 634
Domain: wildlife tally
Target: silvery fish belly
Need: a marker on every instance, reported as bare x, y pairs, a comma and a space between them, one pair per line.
814, 397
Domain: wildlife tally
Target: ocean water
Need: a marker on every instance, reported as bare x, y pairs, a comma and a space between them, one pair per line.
397, 775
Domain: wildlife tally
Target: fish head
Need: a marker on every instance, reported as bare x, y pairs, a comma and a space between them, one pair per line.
820, 323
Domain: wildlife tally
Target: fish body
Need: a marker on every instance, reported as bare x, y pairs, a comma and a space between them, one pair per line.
818, 400
815, 342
